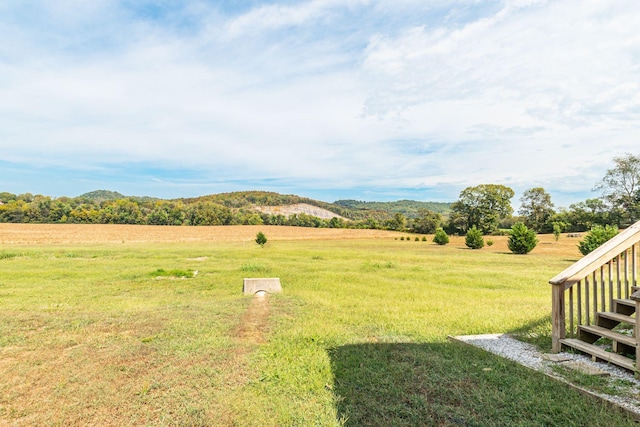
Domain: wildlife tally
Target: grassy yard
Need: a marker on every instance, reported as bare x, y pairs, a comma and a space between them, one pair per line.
114, 334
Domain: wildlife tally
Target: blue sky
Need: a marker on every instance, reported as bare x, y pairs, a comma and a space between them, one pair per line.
329, 99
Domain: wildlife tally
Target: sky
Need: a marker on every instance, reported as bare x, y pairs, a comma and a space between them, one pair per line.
375, 100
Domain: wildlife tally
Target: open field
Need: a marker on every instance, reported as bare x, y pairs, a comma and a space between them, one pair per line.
16, 234
92, 334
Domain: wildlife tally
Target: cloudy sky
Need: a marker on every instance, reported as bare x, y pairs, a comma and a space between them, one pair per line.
329, 99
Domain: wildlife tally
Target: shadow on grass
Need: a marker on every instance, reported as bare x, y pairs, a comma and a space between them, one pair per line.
450, 384
537, 332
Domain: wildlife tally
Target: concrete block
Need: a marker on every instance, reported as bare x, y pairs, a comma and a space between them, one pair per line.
269, 285
586, 368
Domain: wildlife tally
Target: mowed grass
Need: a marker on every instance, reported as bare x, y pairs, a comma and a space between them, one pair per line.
91, 334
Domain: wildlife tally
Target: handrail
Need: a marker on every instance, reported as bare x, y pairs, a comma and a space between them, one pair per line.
594, 276
600, 256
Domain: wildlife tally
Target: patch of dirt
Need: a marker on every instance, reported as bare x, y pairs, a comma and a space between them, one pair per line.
254, 323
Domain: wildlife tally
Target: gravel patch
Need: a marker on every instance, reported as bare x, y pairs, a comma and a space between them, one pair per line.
528, 355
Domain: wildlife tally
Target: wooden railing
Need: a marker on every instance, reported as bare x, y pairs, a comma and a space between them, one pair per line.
593, 283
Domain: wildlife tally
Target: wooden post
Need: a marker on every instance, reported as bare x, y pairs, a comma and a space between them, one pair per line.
558, 331
636, 297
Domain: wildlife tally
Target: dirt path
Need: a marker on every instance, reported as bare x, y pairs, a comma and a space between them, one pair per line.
254, 323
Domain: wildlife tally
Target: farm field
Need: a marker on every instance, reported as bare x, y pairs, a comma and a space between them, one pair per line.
98, 327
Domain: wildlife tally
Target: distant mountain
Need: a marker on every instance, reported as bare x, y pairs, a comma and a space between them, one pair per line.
99, 196
265, 201
408, 208
102, 195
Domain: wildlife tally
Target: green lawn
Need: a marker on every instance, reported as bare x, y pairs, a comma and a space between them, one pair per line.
106, 335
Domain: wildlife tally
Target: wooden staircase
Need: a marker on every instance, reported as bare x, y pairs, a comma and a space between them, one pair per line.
596, 298
591, 339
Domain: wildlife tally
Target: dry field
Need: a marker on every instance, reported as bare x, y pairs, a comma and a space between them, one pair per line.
38, 234
114, 233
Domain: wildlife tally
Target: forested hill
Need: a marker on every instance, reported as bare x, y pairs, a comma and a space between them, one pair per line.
249, 199
102, 195
409, 208
246, 207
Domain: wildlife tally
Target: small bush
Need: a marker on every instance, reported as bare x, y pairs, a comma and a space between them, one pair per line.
424, 238
474, 238
522, 240
441, 237
596, 237
261, 239
489, 242
401, 237
417, 239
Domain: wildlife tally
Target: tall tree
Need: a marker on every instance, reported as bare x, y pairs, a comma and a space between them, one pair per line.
621, 186
482, 206
427, 222
536, 209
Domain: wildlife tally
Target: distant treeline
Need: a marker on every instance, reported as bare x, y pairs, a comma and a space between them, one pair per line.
486, 207
408, 208
107, 207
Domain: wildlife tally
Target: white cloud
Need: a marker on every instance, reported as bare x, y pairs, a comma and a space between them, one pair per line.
410, 94
276, 16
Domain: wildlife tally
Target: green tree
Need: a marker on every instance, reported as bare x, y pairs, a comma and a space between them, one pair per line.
83, 214
261, 239
427, 221
483, 207
59, 211
336, 222
441, 237
621, 187
474, 238
398, 222
208, 213
557, 229
596, 237
15, 211
522, 240
121, 211
536, 209
7, 197
583, 216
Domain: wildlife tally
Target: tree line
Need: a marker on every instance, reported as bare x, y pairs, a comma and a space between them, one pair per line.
486, 207
105, 207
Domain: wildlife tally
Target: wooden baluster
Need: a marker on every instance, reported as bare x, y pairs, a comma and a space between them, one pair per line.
595, 296
618, 259
634, 266
586, 300
571, 312
610, 271
603, 305
558, 331
579, 284
626, 274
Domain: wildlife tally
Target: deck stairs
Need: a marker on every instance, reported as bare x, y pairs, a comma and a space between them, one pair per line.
611, 338
594, 303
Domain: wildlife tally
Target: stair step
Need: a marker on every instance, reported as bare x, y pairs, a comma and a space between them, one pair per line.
608, 333
598, 353
617, 317
624, 306
627, 302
